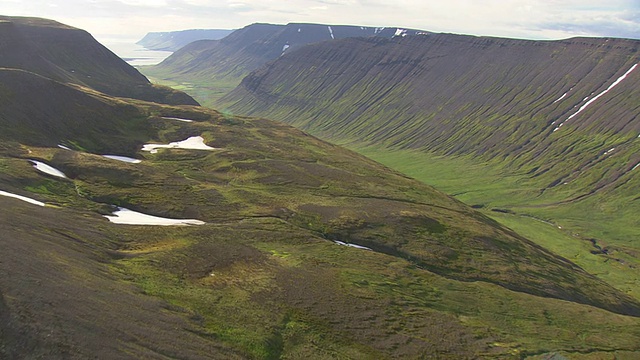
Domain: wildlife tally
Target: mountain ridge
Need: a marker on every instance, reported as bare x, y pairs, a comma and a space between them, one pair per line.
221, 64
174, 40
506, 109
68, 54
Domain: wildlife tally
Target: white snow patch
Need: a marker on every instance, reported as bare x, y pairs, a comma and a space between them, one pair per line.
123, 158
23, 198
352, 245
192, 143
400, 32
331, 32
299, 30
177, 119
599, 95
63, 147
561, 97
47, 169
378, 29
130, 217
635, 167
285, 47
609, 151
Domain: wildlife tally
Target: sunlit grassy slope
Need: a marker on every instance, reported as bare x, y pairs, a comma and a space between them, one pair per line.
599, 232
263, 278
522, 130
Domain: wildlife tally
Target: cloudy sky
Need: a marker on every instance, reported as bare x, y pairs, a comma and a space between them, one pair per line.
109, 20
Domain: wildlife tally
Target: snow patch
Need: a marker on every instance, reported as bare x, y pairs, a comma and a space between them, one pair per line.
63, 147
331, 32
352, 245
400, 32
23, 198
177, 119
130, 217
635, 167
192, 143
561, 97
299, 30
597, 96
47, 169
285, 47
609, 151
123, 158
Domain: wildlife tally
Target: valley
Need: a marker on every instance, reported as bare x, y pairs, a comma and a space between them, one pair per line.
137, 224
530, 139
538, 135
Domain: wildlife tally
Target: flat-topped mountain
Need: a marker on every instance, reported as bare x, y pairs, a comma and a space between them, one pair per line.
221, 64
539, 105
546, 132
296, 247
426, 91
174, 40
71, 55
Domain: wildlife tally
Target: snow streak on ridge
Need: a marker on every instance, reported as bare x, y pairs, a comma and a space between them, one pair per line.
597, 96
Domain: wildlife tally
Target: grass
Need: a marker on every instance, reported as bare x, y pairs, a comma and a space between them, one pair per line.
330, 317
264, 279
206, 92
488, 186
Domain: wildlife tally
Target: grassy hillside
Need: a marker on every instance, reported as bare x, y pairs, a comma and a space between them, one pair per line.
263, 278
71, 55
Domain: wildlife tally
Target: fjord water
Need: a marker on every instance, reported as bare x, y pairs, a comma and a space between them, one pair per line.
134, 54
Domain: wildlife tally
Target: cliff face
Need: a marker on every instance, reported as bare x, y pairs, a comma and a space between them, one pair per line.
554, 108
71, 55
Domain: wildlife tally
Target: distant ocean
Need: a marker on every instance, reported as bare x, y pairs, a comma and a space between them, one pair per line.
134, 54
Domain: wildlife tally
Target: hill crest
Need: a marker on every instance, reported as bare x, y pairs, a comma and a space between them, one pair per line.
71, 55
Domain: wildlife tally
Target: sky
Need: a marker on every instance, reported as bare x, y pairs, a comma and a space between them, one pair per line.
130, 20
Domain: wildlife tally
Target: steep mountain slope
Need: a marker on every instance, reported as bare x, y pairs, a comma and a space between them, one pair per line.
91, 120
66, 54
265, 276
562, 114
220, 65
174, 40
428, 88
